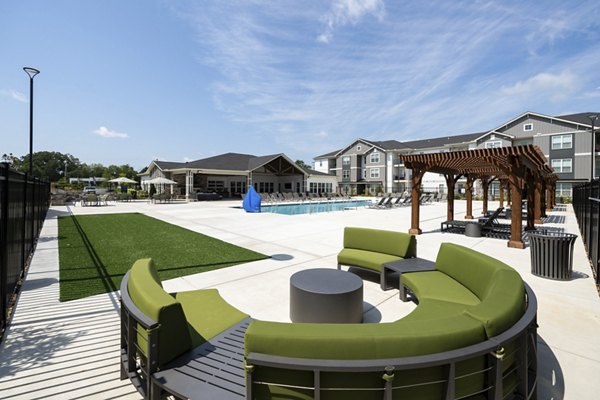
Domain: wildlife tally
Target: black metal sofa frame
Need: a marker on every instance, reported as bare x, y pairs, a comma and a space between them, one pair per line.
489, 226
217, 369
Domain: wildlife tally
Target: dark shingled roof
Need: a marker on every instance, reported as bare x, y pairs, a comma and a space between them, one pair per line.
580, 118
169, 165
390, 144
227, 161
328, 155
442, 141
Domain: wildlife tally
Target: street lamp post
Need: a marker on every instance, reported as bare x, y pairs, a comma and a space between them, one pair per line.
32, 72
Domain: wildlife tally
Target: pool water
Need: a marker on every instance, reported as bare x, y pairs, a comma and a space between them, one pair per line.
313, 208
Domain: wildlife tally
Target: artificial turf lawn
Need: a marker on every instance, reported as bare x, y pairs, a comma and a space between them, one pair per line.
95, 251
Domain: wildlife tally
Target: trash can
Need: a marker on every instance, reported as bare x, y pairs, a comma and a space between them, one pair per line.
473, 229
552, 254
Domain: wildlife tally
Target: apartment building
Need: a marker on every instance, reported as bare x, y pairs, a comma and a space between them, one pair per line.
367, 166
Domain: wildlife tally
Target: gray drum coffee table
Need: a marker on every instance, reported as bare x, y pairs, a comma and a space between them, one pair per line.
325, 295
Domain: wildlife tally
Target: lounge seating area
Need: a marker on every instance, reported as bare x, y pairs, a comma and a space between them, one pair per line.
74, 354
486, 226
472, 335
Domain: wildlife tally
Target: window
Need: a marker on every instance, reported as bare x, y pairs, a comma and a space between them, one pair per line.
320, 163
346, 160
494, 144
358, 148
562, 142
374, 172
375, 157
527, 127
564, 189
346, 174
562, 165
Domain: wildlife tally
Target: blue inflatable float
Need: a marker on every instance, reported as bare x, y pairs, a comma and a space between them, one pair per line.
251, 202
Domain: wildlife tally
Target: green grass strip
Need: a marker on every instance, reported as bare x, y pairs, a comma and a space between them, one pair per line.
95, 251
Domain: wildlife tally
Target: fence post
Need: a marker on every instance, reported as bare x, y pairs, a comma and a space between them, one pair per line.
4, 246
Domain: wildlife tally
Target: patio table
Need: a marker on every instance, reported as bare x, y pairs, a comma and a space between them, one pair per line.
415, 264
324, 295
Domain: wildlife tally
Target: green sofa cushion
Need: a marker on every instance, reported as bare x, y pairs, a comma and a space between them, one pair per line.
436, 285
147, 294
207, 314
365, 259
398, 244
504, 304
472, 269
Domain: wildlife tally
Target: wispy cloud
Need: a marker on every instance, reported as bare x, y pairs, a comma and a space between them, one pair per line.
556, 86
14, 94
405, 70
345, 12
110, 134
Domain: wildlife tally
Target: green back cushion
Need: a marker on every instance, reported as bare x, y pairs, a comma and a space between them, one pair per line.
207, 314
472, 269
148, 295
365, 259
367, 341
388, 242
504, 304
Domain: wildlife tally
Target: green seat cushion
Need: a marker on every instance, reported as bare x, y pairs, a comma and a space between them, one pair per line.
147, 294
363, 341
365, 259
207, 314
472, 269
399, 244
504, 305
436, 285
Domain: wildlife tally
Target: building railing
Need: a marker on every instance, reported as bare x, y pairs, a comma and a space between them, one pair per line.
24, 202
586, 203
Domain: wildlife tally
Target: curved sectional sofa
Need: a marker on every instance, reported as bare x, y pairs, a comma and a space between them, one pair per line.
471, 336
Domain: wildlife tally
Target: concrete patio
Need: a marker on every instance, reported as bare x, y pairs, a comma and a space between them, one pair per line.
70, 350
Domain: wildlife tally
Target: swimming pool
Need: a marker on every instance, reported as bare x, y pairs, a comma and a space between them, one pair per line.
313, 208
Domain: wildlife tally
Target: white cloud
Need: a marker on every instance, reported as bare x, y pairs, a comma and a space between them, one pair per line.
13, 94
110, 134
555, 86
344, 12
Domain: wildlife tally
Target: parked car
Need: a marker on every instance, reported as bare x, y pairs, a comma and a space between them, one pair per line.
89, 190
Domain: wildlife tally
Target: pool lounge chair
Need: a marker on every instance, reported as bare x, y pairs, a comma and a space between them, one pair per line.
487, 226
378, 204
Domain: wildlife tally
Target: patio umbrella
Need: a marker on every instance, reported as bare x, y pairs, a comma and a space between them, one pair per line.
161, 180
122, 180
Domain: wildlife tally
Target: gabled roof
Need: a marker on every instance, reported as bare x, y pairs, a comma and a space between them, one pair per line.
443, 141
331, 154
227, 162
162, 165
390, 145
580, 118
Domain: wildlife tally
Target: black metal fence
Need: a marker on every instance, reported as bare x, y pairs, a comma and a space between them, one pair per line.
24, 202
586, 203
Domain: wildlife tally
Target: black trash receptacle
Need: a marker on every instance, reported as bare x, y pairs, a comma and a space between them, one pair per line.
552, 254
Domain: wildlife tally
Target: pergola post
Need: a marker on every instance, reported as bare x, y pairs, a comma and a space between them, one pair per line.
501, 194
516, 236
417, 176
543, 198
485, 185
450, 183
531, 204
537, 199
469, 194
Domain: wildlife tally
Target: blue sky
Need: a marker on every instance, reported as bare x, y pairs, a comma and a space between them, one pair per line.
131, 81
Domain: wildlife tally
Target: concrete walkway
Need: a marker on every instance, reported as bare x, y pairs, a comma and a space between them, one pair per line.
71, 350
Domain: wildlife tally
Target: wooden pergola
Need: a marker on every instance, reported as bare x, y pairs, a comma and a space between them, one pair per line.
516, 168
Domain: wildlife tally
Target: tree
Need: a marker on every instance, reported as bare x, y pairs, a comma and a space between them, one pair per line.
302, 164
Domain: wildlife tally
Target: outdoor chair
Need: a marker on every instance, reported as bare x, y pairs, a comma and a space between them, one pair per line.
377, 204
488, 226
